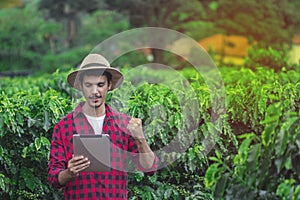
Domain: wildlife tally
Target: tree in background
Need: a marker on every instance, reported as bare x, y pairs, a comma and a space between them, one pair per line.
68, 12
32, 40
98, 26
271, 23
176, 15
25, 37
158, 13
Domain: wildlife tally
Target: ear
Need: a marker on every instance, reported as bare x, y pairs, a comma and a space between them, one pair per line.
79, 86
109, 86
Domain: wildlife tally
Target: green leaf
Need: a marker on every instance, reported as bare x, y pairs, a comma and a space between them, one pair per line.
2, 182
247, 135
191, 154
47, 123
212, 175
24, 152
28, 177
267, 135
254, 153
218, 154
139, 175
168, 193
37, 143
296, 194
214, 159
282, 137
284, 188
45, 141
221, 186
270, 119
243, 151
198, 149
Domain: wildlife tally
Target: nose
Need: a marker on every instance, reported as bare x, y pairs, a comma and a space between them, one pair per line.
94, 89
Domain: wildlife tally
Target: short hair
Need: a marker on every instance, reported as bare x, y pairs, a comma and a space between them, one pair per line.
95, 73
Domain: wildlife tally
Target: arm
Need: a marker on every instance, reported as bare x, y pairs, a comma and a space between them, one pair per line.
57, 160
146, 156
61, 169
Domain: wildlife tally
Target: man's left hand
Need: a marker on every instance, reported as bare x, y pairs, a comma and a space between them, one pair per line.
135, 128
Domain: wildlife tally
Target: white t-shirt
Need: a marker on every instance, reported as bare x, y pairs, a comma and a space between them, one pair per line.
96, 123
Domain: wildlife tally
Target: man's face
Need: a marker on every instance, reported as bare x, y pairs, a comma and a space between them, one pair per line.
95, 89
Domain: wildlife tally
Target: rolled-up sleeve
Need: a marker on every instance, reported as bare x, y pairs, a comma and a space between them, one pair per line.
136, 154
152, 170
57, 159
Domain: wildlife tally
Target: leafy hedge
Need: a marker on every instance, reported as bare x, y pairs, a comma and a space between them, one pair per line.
29, 109
263, 110
255, 155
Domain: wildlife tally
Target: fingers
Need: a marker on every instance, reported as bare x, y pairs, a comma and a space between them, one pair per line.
135, 128
77, 164
133, 124
137, 122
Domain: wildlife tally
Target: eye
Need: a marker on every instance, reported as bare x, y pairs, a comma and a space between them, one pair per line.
87, 85
100, 84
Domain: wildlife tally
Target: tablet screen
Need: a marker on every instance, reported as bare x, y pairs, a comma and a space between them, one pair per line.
96, 148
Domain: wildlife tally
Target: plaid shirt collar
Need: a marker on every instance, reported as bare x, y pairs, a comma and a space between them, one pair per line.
78, 112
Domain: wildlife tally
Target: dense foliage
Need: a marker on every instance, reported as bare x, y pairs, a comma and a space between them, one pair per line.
267, 57
255, 154
29, 108
34, 33
30, 41
263, 109
254, 143
25, 37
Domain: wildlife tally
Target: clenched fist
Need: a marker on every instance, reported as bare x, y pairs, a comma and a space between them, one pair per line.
135, 128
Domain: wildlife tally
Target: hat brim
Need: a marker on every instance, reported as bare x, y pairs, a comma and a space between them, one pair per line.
117, 77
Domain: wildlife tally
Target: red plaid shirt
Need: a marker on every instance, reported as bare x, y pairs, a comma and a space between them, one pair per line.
93, 185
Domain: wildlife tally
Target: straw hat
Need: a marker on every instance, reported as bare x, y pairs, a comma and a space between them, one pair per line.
95, 62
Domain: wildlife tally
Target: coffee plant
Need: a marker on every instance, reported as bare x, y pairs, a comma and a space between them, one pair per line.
254, 142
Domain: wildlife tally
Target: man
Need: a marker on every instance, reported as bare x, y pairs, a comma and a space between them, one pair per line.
95, 78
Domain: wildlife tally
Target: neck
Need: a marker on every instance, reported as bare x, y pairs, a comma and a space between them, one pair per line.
93, 111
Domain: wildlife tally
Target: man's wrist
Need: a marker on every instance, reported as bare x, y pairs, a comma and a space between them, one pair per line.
70, 174
140, 141
65, 176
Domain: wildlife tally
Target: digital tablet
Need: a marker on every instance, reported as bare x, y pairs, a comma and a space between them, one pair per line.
96, 148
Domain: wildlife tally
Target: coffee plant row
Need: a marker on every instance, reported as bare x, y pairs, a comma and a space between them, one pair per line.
234, 141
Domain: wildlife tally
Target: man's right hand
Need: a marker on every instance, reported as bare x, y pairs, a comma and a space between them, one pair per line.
75, 165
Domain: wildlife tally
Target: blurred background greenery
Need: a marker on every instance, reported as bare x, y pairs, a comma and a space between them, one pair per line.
45, 35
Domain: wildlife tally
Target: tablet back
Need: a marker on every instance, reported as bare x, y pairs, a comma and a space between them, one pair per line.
96, 148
